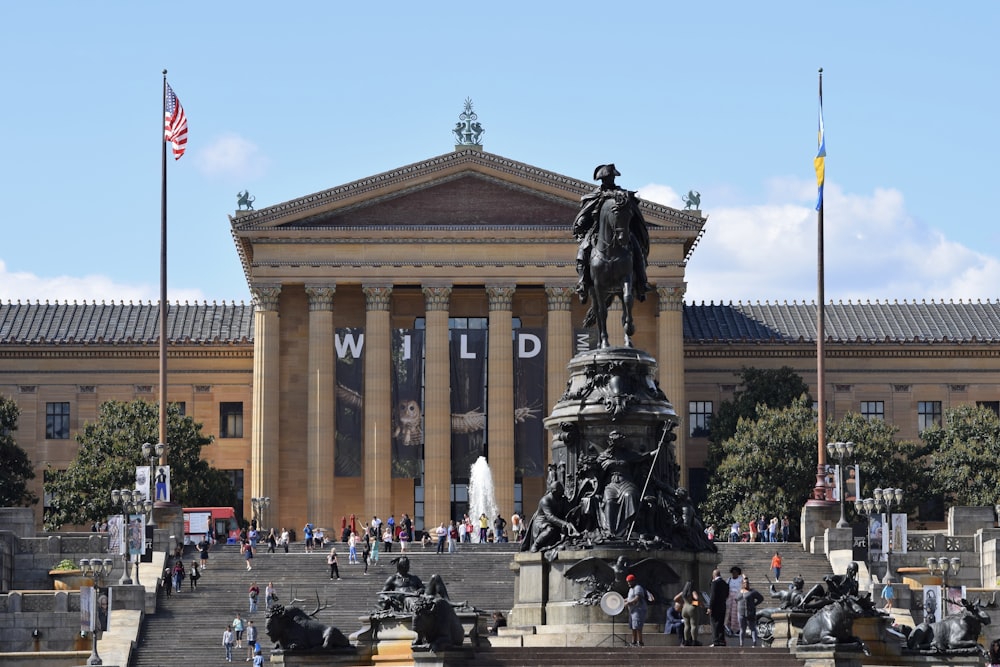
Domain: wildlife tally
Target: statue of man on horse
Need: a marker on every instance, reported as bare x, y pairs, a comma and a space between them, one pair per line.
614, 247
585, 229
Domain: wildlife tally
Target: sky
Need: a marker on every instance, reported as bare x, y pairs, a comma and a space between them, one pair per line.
287, 99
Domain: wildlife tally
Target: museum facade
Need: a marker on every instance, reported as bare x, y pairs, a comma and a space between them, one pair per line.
405, 324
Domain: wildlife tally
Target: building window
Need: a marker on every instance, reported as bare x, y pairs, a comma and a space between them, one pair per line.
699, 418
230, 420
57, 421
873, 410
928, 413
990, 405
181, 407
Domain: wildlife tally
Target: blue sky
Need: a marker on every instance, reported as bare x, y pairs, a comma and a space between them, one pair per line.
286, 99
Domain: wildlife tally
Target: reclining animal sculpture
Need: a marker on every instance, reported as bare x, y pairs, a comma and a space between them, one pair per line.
955, 633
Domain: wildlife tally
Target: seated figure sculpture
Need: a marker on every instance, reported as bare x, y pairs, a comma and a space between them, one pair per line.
401, 589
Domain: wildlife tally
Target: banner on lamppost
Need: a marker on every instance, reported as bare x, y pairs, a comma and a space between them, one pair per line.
161, 482
877, 537
136, 534
142, 475
116, 535
898, 533
88, 608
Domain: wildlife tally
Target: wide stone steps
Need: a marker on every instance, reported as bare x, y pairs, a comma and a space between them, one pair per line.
192, 623
754, 558
664, 655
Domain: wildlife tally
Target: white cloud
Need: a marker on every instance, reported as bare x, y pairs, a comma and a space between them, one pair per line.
873, 249
28, 287
233, 158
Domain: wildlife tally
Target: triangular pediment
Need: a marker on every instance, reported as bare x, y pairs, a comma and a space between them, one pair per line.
465, 187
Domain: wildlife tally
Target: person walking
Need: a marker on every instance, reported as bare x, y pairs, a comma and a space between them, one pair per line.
195, 575
248, 555
376, 539
387, 538
746, 603
331, 560
258, 659
734, 532
452, 538
404, 539
238, 630
690, 603
251, 639
270, 596
366, 552
203, 548
718, 593
178, 576
272, 541
637, 606
441, 533
227, 642
484, 526
776, 565
307, 535
735, 583
254, 592
888, 595
352, 549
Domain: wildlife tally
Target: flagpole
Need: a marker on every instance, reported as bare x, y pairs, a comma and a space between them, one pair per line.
163, 277
819, 492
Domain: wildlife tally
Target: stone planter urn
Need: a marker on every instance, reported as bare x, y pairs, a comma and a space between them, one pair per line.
69, 580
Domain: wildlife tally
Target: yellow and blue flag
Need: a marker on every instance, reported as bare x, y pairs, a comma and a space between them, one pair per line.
820, 161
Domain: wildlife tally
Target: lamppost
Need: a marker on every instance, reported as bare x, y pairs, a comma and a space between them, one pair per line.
258, 505
882, 502
152, 453
98, 569
130, 502
840, 450
943, 567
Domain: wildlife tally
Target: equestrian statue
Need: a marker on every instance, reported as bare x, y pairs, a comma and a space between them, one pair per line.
613, 252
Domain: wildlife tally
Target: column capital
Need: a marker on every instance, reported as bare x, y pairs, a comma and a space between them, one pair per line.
265, 297
671, 297
321, 296
437, 296
500, 296
377, 296
560, 297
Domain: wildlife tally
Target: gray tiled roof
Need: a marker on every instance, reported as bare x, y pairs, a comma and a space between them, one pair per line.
121, 323
845, 322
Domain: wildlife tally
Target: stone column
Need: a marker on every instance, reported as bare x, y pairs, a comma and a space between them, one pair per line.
377, 453
558, 341
437, 406
500, 397
265, 440
321, 426
670, 356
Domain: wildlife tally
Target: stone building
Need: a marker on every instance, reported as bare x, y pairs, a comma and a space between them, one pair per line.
406, 323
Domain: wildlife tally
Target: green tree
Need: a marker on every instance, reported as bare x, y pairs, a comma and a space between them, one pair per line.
15, 466
110, 452
769, 466
884, 461
964, 453
771, 387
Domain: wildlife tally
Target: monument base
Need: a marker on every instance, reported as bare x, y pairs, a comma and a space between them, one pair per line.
544, 597
829, 656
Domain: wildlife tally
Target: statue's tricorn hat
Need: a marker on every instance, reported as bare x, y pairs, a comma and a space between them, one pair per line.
605, 170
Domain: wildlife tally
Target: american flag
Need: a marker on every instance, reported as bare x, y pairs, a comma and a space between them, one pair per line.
175, 124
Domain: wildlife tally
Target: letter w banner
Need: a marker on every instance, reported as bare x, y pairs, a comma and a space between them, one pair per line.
529, 403
407, 402
350, 391
468, 399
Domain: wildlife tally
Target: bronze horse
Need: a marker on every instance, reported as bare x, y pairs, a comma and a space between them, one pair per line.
611, 265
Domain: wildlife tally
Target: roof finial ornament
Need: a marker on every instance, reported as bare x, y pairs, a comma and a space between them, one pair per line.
468, 131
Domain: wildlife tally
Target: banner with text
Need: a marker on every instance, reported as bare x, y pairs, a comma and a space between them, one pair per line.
349, 343
529, 403
407, 402
468, 399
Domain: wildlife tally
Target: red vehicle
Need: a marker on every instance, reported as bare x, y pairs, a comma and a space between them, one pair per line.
221, 520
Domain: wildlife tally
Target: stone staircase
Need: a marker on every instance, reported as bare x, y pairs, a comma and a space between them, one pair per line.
754, 558
189, 626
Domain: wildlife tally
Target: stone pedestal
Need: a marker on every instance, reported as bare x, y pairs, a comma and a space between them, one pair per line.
543, 596
319, 658
787, 627
446, 658
389, 641
875, 633
829, 656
